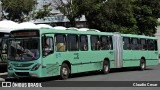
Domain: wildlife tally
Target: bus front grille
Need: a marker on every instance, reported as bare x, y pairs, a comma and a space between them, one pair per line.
22, 73
22, 69
22, 65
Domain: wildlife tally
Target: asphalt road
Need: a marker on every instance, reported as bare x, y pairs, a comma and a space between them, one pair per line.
152, 73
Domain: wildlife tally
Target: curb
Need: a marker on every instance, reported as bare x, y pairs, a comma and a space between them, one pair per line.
3, 75
2, 79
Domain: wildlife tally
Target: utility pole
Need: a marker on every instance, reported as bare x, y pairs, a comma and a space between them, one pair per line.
0, 10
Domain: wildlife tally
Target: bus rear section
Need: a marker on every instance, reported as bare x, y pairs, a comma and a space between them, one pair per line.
139, 51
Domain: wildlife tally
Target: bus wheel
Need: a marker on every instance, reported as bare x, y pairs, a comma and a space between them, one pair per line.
106, 67
142, 64
64, 71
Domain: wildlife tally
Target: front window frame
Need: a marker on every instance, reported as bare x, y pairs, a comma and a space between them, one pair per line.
22, 38
47, 46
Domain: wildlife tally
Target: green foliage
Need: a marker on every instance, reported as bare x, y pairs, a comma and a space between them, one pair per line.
119, 13
17, 10
146, 14
158, 23
45, 11
94, 13
69, 8
125, 16
110, 16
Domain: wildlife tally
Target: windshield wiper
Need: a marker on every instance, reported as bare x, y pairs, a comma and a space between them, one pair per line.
17, 46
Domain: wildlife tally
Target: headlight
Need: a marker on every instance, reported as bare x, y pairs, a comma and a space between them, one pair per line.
9, 67
35, 67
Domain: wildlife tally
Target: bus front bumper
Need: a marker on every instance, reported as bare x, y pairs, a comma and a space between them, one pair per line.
27, 73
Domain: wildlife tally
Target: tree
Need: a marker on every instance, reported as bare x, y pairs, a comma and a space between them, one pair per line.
119, 16
110, 15
68, 8
146, 13
45, 11
17, 10
125, 16
92, 11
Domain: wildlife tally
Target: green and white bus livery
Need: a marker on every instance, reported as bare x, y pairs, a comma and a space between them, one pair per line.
51, 52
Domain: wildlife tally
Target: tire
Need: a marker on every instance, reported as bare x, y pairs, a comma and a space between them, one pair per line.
106, 67
142, 65
64, 71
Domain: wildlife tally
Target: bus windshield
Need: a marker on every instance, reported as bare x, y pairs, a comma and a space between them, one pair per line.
23, 49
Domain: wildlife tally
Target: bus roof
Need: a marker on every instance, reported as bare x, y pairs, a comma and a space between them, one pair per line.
85, 31
138, 36
74, 31
6, 26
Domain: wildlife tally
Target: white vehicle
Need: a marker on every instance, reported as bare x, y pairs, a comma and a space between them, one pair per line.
6, 27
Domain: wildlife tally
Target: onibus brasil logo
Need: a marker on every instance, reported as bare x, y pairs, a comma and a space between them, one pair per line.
14, 84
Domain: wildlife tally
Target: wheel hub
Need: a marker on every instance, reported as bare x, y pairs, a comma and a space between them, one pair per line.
143, 65
106, 68
65, 71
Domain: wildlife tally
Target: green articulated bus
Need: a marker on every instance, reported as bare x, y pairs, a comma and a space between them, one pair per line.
51, 52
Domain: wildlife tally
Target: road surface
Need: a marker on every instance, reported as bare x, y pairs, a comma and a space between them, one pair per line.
152, 73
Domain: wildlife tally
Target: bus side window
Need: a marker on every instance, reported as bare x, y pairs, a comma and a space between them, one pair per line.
110, 45
60, 41
72, 42
143, 44
4, 46
83, 42
126, 45
95, 43
49, 42
48, 48
150, 44
155, 45
106, 42
135, 44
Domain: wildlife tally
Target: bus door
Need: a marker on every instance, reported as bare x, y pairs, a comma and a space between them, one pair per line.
3, 50
117, 50
48, 54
